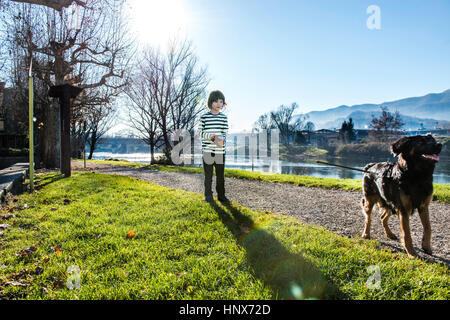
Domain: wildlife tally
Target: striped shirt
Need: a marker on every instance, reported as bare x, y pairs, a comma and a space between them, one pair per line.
213, 124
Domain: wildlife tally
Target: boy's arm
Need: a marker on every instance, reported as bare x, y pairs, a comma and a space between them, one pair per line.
225, 131
204, 135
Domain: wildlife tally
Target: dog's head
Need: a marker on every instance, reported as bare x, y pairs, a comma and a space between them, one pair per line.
420, 148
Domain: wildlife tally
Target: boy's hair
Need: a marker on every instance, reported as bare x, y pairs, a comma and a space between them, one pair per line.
214, 96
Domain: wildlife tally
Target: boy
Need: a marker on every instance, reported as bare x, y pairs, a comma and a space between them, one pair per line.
213, 130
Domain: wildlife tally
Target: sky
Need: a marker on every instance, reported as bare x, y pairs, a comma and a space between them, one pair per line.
318, 53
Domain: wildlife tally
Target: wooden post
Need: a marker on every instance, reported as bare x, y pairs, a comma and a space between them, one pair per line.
65, 92
30, 128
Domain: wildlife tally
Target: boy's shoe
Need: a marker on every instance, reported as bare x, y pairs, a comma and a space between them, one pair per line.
209, 199
224, 199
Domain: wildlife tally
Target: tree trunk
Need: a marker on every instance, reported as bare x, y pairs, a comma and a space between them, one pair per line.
51, 137
92, 146
152, 153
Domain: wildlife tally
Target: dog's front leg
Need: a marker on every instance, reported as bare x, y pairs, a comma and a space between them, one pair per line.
425, 219
406, 233
367, 206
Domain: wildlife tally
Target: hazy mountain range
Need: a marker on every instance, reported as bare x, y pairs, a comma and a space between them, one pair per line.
429, 111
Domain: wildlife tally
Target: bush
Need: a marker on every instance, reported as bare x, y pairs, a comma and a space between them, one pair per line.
377, 149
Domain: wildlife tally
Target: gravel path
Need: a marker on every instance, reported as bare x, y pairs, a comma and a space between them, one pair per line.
337, 210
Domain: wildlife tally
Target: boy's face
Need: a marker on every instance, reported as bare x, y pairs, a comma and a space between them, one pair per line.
217, 106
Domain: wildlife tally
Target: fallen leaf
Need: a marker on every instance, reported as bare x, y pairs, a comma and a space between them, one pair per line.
53, 209
67, 201
130, 234
26, 251
46, 260
4, 226
58, 249
88, 213
16, 284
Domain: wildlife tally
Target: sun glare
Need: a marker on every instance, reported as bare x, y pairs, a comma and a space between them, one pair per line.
156, 21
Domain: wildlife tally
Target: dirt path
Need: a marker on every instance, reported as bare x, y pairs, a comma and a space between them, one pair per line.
337, 210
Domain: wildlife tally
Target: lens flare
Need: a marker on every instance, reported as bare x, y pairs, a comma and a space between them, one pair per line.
297, 291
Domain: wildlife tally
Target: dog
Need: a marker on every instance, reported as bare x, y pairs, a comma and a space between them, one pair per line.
400, 188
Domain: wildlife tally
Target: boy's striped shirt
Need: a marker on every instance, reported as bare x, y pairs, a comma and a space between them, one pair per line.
213, 124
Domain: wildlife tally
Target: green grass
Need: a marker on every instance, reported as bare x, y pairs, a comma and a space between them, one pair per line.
185, 248
441, 191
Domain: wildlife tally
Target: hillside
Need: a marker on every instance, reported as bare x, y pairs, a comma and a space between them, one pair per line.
428, 109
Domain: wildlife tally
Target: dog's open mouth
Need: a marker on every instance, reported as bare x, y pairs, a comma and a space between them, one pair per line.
433, 157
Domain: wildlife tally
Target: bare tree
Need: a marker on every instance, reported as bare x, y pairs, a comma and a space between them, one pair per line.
167, 92
55, 4
142, 110
263, 123
87, 49
102, 120
284, 120
309, 128
385, 123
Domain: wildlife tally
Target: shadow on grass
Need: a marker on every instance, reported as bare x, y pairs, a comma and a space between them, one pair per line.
43, 181
289, 275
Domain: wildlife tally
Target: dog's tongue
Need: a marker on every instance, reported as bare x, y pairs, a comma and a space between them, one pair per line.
431, 156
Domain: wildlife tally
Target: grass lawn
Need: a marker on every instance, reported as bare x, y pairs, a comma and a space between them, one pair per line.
131, 239
441, 191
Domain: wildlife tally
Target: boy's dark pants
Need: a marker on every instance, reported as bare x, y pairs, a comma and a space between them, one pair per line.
220, 171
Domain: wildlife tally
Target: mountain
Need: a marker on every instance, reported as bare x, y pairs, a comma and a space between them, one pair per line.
426, 110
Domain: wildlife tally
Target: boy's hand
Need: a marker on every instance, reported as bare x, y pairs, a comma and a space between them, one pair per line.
218, 142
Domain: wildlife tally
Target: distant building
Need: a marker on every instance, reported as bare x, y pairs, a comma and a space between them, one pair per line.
324, 137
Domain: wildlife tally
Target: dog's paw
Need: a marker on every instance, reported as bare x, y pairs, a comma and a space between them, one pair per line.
365, 236
412, 254
428, 251
392, 236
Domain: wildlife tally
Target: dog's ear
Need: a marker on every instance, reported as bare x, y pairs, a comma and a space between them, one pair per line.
402, 145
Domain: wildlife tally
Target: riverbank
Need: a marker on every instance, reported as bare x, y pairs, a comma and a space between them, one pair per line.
372, 149
116, 237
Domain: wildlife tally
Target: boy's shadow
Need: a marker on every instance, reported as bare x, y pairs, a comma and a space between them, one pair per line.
289, 275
